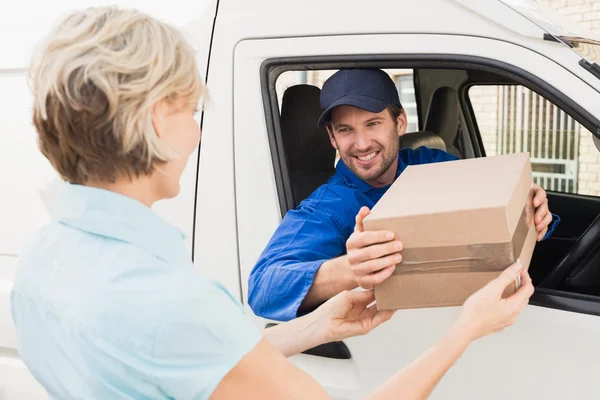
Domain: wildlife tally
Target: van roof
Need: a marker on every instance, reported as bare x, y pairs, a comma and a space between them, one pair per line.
487, 18
523, 22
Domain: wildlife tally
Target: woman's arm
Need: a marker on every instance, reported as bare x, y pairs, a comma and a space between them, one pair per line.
343, 316
265, 373
295, 336
419, 378
483, 313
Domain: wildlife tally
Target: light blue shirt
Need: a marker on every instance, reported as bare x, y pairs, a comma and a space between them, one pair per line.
108, 305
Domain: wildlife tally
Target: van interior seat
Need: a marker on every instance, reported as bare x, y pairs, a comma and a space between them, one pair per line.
414, 140
443, 117
310, 155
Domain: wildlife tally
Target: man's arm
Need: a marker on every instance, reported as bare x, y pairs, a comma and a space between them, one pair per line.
285, 282
545, 221
552, 227
333, 277
372, 258
307, 240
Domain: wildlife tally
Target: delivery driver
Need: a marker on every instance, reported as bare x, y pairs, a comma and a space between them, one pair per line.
320, 248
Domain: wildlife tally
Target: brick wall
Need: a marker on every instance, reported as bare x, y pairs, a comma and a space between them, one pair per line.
584, 12
589, 165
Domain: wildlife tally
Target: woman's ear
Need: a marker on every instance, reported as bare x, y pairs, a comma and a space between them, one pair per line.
157, 113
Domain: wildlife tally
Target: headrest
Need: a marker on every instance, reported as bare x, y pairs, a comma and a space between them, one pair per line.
443, 116
428, 139
308, 148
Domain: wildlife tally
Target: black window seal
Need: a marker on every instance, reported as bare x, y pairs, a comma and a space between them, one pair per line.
420, 116
471, 120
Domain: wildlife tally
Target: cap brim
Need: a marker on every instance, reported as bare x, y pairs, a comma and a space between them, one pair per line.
363, 102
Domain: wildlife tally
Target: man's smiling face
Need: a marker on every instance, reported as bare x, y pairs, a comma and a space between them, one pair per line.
368, 142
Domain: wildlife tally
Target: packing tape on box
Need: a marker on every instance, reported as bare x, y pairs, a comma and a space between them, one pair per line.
479, 257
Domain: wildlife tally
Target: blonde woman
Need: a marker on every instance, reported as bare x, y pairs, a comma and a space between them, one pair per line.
106, 302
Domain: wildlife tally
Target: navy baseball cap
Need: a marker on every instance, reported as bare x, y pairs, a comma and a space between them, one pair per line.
369, 89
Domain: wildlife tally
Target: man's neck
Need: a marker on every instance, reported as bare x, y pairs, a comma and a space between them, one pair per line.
387, 178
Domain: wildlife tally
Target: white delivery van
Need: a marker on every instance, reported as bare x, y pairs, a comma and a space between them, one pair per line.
476, 77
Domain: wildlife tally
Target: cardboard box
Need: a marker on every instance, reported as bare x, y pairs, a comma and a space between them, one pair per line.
461, 222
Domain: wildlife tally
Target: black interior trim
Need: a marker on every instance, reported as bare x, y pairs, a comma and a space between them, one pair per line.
335, 350
280, 165
559, 300
472, 125
417, 86
581, 255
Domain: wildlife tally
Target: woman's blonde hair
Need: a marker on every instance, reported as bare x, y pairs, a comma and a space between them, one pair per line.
94, 84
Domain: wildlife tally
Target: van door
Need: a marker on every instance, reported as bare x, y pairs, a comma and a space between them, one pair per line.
549, 353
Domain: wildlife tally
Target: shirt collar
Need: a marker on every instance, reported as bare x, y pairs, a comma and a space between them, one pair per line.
109, 214
354, 181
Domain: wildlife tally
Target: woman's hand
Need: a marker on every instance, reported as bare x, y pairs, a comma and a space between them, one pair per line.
487, 312
346, 315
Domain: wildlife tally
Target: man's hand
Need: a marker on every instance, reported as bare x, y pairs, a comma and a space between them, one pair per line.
347, 315
372, 255
542, 217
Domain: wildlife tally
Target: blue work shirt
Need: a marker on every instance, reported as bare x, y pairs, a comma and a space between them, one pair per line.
108, 305
317, 231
